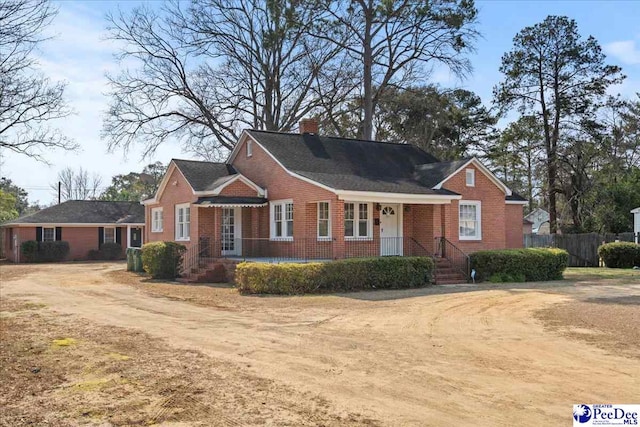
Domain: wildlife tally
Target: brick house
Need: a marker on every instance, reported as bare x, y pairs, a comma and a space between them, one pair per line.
85, 224
302, 195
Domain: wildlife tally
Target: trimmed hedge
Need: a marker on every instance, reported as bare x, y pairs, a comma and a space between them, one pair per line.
108, 252
620, 254
519, 265
163, 260
334, 276
33, 251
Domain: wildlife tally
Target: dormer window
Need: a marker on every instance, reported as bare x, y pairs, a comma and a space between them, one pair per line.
471, 177
249, 148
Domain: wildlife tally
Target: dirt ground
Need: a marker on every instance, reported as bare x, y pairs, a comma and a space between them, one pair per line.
87, 343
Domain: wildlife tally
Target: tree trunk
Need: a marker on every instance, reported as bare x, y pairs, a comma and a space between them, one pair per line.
367, 125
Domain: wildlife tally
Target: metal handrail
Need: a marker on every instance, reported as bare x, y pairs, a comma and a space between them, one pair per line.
459, 260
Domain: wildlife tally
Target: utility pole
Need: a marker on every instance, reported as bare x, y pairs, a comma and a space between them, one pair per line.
59, 188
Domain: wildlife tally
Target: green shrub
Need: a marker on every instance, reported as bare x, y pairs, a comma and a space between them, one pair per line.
163, 260
334, 276
29, 251
620, 254
111, 251
519, 265
94, 255
33, 251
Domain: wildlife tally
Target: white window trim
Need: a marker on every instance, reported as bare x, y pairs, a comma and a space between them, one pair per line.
478, 205
178, 207
328, 237
104, 234
54, 234
272, 220
155, 229
249, 148
356, 215
472, 175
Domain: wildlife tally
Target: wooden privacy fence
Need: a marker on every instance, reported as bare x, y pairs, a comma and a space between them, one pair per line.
582, 248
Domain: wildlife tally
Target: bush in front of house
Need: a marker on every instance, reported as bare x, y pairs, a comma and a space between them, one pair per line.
348, 275
108, 252
519, 265
163, 260
33, 251
620, 254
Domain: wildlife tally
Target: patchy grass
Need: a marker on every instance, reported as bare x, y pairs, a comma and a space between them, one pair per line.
63, 342
627, 275
89, 380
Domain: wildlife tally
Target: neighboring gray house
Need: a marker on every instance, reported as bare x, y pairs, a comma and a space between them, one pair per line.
540, 219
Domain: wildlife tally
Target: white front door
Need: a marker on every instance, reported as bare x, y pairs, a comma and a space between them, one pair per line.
231, 231
390, 240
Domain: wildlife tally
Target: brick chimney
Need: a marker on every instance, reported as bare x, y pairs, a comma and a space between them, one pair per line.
308, 126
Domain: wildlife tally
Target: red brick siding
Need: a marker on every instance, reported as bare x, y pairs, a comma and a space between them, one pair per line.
514, 226
177, 191
494, 221
81, 240
238, 188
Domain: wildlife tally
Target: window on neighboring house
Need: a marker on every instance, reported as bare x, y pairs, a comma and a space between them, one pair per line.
109, 235
282, 219
470, 220
357, 220
249, 148
156, 220
471, 178
324, 224
48, 234
183, 222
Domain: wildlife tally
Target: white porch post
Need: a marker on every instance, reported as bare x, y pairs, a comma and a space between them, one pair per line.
128, 236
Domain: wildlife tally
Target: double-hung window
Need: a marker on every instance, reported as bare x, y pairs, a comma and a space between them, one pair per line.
156, 220
357, 220
470, 220
183, 222
324, 222
109, 235
282, 219
48, 234
470, 177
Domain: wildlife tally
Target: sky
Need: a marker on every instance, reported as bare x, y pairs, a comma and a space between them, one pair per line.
80, 55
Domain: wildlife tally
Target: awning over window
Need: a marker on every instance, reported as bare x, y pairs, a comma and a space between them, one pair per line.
231, 202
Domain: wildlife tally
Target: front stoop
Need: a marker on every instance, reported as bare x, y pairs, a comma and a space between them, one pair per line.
445, 274
220, 270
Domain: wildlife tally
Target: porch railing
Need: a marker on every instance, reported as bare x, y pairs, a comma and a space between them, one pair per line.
458, 259
297, 250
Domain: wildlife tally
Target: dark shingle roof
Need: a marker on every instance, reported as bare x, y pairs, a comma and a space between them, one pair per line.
431, 174
515, 197
203, 176
86, 212
350, 164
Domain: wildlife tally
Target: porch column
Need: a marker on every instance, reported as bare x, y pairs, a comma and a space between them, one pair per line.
129, 236
337, 228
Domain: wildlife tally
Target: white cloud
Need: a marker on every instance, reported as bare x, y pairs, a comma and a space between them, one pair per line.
627, 51
79, 55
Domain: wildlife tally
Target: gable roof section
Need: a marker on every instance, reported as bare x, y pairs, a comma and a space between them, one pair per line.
348, 164
457, 166
86, 212
202, 176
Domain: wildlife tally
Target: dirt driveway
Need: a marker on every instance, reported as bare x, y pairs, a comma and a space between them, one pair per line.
437, 356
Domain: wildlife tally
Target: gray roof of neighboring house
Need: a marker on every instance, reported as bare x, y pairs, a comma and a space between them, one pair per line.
86, 212
352, 164
515, 197
203, 176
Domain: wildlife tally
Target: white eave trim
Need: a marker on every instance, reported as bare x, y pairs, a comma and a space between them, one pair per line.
216, 191
418, 199
516, 202
231, 205
636, 210
484, 170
